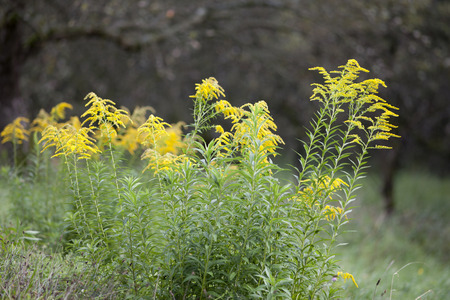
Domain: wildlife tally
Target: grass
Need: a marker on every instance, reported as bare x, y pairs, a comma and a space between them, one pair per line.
409, 252
28, 272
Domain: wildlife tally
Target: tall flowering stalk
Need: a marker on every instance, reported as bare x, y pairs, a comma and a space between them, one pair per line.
105, 117
205, 94
16, 133
331, 146
75, 144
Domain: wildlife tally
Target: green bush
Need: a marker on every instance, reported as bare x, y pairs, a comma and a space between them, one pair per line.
212, 219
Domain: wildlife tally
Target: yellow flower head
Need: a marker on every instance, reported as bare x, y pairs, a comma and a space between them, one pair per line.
229, 111
58, 112
219, 129
42, 120
340, 88
330, 212
223, 142
69, 140
362, 100
103, 111
208, 90
139, 113
128, 140
346, 276
172, 141
15, 131
319, 188
257, 124
152, 131
159, 162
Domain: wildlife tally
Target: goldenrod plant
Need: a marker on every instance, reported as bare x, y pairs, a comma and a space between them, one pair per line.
213, 219
16, 133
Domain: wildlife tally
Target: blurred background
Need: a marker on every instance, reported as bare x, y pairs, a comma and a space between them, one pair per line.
143, 52
139, 52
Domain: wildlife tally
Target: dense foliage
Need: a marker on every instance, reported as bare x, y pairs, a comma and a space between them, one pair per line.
207, 219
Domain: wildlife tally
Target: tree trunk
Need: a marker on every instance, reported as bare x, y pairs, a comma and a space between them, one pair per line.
390, 167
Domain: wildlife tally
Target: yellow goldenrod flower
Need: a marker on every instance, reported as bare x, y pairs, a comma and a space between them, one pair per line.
163, 143
42, 120
219, 129
208, 90
341, 88
250, 121
15, 131
325, 184
103, 111
159, 162
362, 100
128, 139
256, 123
346, 276
58, 112
229, 111
139, 114
69, 140
316, 191
152, 131
223, 142
107, 130
172, 141
356, 139
355, 123
330, 212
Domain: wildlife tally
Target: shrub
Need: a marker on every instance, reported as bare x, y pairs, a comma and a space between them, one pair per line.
212, 219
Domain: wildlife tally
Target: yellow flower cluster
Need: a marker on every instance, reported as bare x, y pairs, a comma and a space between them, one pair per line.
69, 140
163, 142
104, 112
16, 132
223, 142
258, 123
59, 111
159, 162
330, 212
322, 188
250, 122
346, 276
341, 88
127, 136
41, 122
361, 96
208, 90
229, 111
127, 139
172, 142
104, 122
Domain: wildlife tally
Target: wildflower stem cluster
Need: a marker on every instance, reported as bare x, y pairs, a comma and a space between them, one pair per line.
212, 219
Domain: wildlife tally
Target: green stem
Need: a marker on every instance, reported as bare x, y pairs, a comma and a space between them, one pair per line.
96, 204
78, 196
116, 180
